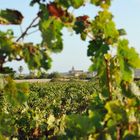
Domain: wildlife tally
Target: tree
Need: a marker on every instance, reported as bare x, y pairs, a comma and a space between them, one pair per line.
20, 69
54, 75
116, 103
83, 76
43, 75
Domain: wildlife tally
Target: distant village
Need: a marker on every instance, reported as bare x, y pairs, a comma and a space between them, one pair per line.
76, 73
72, 73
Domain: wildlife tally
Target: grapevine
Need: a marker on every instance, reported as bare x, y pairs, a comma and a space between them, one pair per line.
114, 110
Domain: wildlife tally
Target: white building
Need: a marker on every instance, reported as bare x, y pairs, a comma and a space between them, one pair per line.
75, 73
137, 74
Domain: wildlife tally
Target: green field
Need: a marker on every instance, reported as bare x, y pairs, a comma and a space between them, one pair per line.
65, 110
62, 97
42, 101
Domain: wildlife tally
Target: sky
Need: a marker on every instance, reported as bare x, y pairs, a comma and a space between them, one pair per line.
126, 15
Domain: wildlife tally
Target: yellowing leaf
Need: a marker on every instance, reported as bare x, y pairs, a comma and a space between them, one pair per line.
50, 120
10, 16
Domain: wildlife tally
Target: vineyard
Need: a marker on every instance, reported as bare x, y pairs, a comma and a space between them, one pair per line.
67, 110
106, 108
41, 113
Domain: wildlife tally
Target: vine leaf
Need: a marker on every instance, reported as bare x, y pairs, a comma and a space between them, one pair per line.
10, 16
51, 34
103, 3
68, 3
54, 10
129, 59
116, 112
81, 24
122, 32
77, 3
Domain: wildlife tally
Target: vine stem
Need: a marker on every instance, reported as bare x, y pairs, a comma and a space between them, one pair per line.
33, 32
108, 74
1, 67
118, 133
25, 32
2, 61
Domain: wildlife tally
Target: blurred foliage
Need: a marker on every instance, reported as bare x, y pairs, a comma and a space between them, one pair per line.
112, 112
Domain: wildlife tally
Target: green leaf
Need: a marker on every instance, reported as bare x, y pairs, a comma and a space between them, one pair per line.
122, 32
116, 112
35, 57
102, 3
79, 27
52, 36
96, 118
45, 61
103, 27
22, 92
77, 3
34, 2
7, 127
129, 55
96, 2
83, 36
64, 3
128, 58
79, 126
130, 137
97, 50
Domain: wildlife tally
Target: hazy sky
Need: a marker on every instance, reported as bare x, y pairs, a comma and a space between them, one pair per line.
126, 15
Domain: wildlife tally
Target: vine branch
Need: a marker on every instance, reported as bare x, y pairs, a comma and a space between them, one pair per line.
108, 74
33, 32
25, 32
